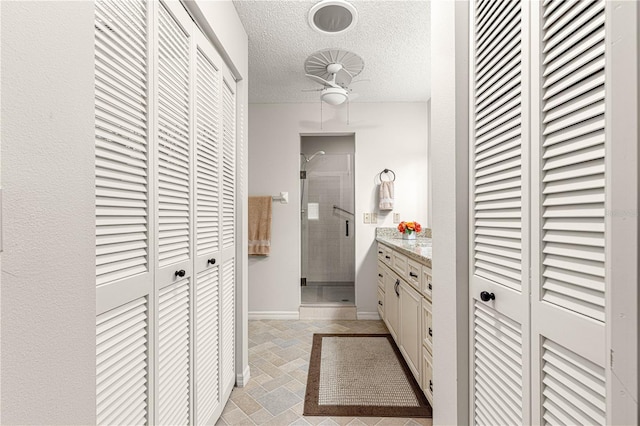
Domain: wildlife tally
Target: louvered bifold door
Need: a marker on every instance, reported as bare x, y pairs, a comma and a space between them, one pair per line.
228, 268
499, 267
208, 220
124, 275
174, 246
568, 260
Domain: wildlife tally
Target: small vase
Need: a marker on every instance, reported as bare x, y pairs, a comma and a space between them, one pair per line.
409, 236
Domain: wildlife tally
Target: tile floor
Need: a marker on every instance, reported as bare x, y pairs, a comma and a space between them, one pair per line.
279, 358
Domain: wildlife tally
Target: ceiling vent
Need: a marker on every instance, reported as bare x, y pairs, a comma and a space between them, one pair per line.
333, 16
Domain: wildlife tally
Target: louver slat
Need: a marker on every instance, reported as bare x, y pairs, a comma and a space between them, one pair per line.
121, 141
173, 354
122, 363
207, 343
497, 160
573, 388
498, 367
228, 322
208, 140
173, 141
228, 165
573, 169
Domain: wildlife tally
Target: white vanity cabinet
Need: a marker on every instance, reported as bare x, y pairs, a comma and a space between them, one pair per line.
404, 303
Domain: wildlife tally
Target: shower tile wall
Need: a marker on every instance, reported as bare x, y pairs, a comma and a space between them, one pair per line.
331, 257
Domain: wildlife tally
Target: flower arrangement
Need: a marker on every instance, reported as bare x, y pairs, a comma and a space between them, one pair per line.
409, 227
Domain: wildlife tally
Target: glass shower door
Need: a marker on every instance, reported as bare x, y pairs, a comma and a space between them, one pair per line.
327, 223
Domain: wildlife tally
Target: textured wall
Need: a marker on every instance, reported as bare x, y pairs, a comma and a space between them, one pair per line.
389, 135
48, 264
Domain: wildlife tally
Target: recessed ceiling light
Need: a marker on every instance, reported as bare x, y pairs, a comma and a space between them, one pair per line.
333, 16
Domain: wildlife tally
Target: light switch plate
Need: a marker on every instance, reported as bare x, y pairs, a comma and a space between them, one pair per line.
367, 218
396, 218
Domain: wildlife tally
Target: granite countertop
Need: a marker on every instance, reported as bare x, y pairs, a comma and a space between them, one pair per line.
419, 249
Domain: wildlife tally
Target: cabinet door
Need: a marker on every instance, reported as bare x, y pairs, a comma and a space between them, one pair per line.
410, 338
391, 303
427, 327
381, 302
427, 375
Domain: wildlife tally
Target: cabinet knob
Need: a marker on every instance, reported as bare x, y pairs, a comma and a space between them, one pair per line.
181, 273
211, 261
380, 275
379, 252
388, 257
413, 275
486, 296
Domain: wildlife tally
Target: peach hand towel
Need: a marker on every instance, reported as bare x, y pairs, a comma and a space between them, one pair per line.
386, 195
260, 225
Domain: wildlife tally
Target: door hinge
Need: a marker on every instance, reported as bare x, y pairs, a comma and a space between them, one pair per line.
611, 358
303, 174
303, 281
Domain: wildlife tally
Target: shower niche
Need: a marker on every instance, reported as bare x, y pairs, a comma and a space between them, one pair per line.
327, 220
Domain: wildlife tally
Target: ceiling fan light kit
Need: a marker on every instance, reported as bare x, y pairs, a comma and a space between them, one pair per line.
334, 95
333, 16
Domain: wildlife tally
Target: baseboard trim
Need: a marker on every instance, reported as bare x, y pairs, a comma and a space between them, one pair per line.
243, 379
369, 316
274, 315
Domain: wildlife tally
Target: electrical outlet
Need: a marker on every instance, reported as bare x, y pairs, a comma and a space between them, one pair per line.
396, 218
367, 218
374, 218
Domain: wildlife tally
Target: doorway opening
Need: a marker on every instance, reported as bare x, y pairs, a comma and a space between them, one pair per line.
327, 220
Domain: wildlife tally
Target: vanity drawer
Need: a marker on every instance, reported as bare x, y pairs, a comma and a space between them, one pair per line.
399, 263
385, 255
380, 276
381, 302
414, 271
427, 282
427, 325
427, 375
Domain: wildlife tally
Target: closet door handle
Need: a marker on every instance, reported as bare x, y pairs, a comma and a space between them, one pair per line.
211, 261
486, 296
413, 275
347, 228
181, 273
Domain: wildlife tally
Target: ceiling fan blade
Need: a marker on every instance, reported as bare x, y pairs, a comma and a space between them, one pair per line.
361, 81
318, 80
311, 90
343, 78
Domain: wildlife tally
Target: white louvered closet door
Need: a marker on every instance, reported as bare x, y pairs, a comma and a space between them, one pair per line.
208, 218
568, 263
174, 270
499, 200
228, 265
124, 271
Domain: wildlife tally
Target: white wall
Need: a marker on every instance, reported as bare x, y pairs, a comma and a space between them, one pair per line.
450, 171
389, 135
48, 264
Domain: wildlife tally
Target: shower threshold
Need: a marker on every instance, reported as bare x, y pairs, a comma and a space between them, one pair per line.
323, 293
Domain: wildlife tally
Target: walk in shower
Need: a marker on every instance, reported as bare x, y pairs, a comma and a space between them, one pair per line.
327, 220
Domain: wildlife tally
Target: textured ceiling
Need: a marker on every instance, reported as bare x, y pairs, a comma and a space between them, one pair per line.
393, 38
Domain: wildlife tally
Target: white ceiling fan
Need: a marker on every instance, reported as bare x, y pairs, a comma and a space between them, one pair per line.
334, 69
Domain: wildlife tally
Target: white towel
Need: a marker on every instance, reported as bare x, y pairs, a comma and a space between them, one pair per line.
386, 195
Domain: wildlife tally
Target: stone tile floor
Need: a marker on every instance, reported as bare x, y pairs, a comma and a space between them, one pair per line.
279, 359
